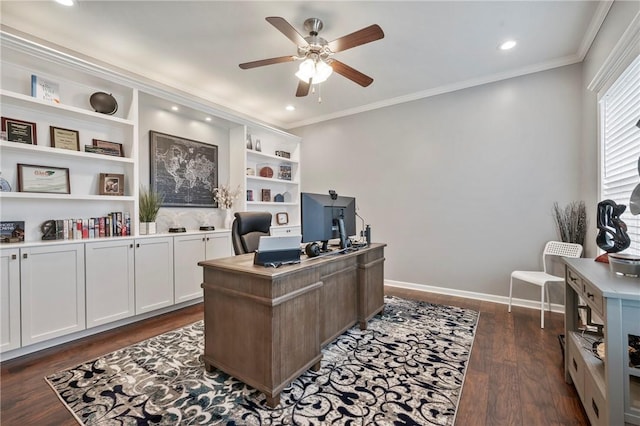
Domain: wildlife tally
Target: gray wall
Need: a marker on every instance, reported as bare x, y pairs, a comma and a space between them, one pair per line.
460, 186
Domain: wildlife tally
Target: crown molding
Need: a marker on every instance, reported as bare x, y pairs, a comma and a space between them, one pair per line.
627, 48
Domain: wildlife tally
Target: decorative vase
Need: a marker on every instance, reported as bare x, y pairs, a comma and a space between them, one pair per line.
228, 218
147, 228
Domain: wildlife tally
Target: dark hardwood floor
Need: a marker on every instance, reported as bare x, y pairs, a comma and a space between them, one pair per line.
515, 375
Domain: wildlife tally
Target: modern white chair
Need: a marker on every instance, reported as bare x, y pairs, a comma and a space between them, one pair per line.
542, 278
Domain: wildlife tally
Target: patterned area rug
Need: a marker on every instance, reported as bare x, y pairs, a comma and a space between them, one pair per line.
407, 368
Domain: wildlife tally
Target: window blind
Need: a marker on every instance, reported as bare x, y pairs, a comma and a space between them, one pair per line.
620, 143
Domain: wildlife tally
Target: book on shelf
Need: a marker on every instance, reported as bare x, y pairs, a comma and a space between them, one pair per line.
12, 231
44, 89
127, 223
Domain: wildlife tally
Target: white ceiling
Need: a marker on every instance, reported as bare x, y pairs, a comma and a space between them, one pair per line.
430, 47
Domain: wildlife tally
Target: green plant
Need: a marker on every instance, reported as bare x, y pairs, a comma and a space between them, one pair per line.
149, 204
571, 222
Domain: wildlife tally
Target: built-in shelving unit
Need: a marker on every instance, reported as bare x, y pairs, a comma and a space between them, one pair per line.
74, 112
287, 185
58, 290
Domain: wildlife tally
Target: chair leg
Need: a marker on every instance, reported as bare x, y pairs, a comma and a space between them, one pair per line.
546, 286
542, 306
510, 290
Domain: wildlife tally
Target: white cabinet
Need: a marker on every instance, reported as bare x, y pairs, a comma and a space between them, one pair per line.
188, 251
9, 299
153, 273
109, 281
609, 389
52, 291
282, 179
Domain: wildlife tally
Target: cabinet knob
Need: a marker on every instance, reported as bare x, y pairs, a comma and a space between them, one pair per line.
207, 238
25, 255
14, 257
131, 245
590, 295
138, 245
204, 239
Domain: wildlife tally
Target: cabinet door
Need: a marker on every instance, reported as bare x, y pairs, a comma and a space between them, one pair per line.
9, 300
153, 273
188, 251
109, 280
217, 246
52, 291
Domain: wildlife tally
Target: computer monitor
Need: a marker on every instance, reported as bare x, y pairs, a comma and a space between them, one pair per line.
327, 216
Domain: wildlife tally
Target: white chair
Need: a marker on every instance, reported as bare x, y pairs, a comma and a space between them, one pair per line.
542, 278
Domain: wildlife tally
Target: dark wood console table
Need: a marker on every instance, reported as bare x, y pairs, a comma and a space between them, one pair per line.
266, 326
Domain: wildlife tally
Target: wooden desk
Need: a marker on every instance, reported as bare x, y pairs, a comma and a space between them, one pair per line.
266, 326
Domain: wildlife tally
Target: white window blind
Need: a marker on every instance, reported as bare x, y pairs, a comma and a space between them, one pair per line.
620, 142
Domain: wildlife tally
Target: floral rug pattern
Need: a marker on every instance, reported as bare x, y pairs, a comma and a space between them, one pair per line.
407, 368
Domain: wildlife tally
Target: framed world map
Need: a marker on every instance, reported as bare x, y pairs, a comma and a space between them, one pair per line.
183, 170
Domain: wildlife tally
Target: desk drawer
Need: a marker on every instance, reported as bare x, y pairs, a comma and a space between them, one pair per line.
594, 403
576, 364
593, 297
574, 281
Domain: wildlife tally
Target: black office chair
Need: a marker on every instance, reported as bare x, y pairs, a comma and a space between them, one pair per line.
247, 229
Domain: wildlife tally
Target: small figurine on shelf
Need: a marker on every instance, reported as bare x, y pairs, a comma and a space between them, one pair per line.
258, 145
249, 143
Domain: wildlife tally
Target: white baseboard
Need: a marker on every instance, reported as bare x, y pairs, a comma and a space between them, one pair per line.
91, 331
525, 303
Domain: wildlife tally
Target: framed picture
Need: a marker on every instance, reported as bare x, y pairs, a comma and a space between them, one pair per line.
266, 195
111, 184
282, 218
33, 178
12, 232
117, 148
184, 171
19, 131
65, 138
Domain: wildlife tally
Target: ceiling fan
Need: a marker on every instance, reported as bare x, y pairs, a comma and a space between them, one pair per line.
316, 53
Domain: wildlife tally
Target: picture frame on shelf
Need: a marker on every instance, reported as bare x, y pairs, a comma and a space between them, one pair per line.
200, 157
266, 195
19, 131
111, 184
44, 89
12, 231
54, 180
284, 171
249, 195
65, 138
282, 218
115, 147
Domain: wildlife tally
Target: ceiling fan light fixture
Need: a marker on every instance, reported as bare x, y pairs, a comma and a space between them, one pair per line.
315, 70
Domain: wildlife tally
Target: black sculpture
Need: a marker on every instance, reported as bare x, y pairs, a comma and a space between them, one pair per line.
612, 235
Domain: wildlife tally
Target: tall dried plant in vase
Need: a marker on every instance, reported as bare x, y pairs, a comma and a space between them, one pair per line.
571, 222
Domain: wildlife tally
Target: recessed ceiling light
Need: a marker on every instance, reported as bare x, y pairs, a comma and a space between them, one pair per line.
207, 119
509, 44
290, 108
65, 2
174, 108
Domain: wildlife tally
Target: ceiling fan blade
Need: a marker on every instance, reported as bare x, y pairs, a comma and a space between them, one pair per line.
269, 61
303, 88
363, 36
350, 73
285, 28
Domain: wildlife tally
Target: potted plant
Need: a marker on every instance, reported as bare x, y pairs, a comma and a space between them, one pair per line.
149, 205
